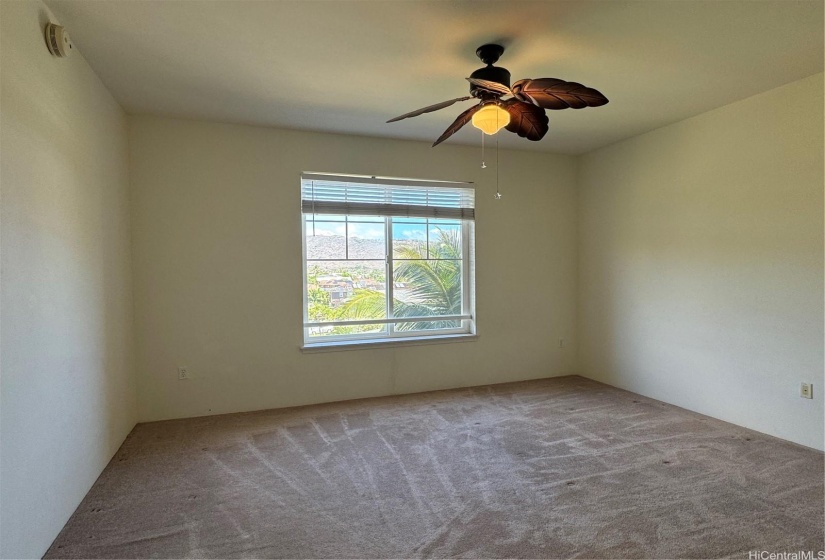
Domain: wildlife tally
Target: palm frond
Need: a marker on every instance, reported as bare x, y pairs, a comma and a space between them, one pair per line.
365, 304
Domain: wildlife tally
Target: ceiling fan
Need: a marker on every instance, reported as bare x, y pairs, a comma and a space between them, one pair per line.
523, 112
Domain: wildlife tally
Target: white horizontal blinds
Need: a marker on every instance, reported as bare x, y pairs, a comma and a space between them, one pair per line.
368, 196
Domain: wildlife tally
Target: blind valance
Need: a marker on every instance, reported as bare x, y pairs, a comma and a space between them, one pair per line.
376, 196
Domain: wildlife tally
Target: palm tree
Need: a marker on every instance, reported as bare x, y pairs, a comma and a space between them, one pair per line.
434, 285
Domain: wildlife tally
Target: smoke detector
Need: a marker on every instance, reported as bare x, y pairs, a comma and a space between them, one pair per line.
58, 40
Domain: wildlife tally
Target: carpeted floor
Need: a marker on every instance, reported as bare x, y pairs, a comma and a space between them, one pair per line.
557, 468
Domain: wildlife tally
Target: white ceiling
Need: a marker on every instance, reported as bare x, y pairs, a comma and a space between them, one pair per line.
348, 66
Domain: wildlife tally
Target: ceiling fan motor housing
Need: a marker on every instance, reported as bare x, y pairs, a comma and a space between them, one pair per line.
491, 74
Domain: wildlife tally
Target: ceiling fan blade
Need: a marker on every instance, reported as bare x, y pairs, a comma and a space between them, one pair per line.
527, 120
552, 93
430, 109
462, 119
495, 87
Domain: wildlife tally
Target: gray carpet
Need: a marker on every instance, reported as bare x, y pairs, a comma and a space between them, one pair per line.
557, 468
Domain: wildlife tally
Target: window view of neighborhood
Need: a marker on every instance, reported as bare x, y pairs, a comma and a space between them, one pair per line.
346, 268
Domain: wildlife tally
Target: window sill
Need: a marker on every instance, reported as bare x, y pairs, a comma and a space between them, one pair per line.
386, 343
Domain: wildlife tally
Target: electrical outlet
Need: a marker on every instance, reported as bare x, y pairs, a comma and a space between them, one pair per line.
806, 391
183, 373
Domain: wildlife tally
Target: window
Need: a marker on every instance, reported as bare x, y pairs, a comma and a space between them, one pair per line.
386, 259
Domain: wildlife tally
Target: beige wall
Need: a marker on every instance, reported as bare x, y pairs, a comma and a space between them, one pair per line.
701, 263
217, 258
67, 391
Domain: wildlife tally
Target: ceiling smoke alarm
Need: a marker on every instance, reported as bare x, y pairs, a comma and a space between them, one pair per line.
58, 40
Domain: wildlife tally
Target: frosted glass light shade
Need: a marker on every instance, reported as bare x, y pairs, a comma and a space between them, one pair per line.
491, 118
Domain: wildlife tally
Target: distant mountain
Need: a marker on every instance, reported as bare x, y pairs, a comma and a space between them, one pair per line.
334, 247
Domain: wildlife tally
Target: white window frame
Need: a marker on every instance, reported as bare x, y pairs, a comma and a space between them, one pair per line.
390, 335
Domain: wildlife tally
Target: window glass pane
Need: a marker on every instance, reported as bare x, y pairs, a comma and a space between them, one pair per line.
326, 240
368, 219
444, 239
342, 290
426, 287
409, 238
366, 240
427, 326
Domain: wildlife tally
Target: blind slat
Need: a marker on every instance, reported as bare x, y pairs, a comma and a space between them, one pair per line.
386, 197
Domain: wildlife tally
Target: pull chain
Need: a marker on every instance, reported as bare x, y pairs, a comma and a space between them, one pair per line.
498, 194
484, 162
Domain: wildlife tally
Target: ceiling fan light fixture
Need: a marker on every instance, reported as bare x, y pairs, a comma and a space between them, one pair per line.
491, 118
